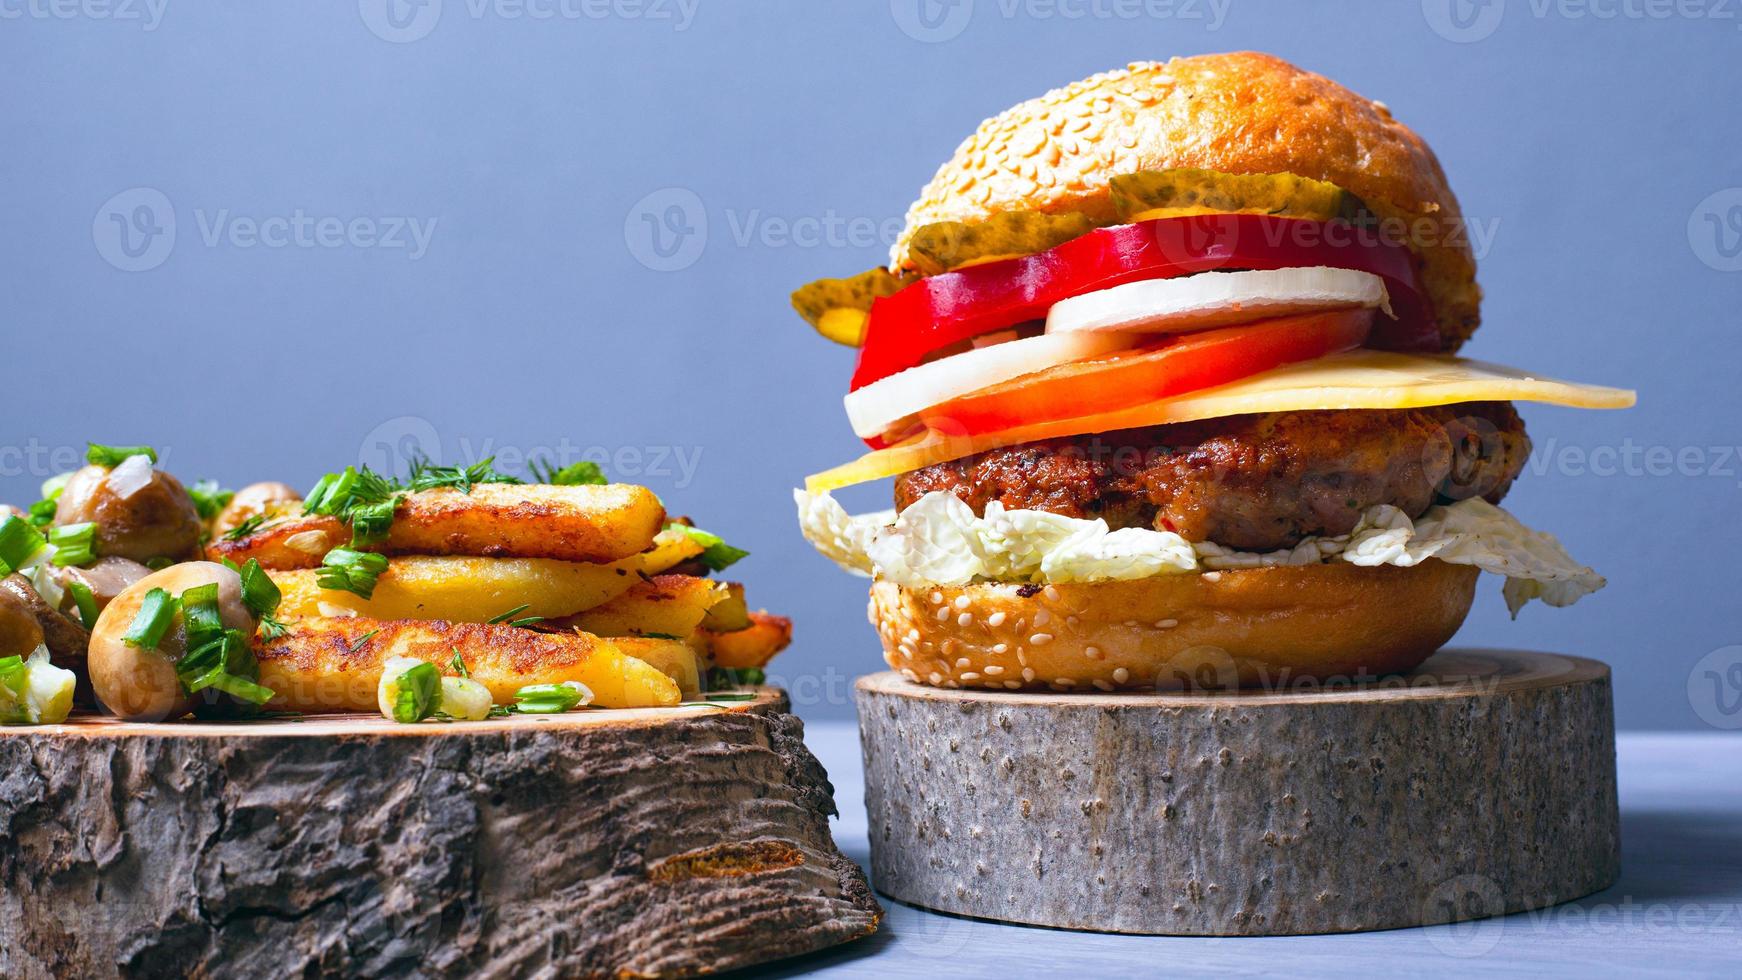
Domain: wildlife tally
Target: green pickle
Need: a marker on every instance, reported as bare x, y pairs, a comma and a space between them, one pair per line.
1286, 195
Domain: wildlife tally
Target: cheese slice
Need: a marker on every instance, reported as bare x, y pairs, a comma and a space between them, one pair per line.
1358, 379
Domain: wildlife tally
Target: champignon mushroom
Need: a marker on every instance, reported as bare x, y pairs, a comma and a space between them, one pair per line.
107, 577
140, 684
65, 638
20, 633
253, 500
140, 513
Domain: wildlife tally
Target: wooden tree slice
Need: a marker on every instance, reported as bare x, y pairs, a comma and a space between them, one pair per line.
664, 841
1482, 783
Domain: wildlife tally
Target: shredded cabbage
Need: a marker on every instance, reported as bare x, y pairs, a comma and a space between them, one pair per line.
940, 541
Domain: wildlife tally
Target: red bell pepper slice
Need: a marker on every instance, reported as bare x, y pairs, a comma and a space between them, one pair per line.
940, 311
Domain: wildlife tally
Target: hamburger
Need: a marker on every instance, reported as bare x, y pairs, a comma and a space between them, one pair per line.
1164, 367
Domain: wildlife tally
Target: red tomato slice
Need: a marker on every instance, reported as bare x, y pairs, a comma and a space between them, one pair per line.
940, 311
1127, 378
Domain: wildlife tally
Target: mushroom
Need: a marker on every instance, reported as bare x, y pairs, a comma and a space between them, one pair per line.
20, 633
270, 498
65, 638
141, 513
140, 684
107, 577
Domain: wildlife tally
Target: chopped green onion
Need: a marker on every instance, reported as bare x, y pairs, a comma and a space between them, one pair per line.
42, 512
370, 522
259, 593
546, 699
156, 612
420, 690
345, 570
12, 674
19, 542
716, 553
75, 544
725, 678
199, 614
248, 526
101, 455
510, 614
242, 688
159, 563
584, 473
362, 498
209, 498
85, 601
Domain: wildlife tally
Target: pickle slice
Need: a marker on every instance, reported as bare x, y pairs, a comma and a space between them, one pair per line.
837, 307
945, 245
1186, 190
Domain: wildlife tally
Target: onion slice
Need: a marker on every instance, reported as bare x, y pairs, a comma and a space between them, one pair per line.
875, 408
1215, 299
130, 477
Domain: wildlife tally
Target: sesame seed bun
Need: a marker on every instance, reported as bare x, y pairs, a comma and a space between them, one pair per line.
1250, 628
1236, 113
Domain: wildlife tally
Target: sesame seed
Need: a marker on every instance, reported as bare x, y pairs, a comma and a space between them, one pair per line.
935, 677
961, 602
1013, 685
1040, 639
913, 636
952, 685
993, 670
1093, 653
970, 676
965, 619
962, 661
1000, 648
1051, 593
1064, 682
1021, 658
1166, 624
1212, 576
1121, 675
1042, 618
943, 613
995, 620
908, 651
1102, 685
910, 675
937, 598
1027, 674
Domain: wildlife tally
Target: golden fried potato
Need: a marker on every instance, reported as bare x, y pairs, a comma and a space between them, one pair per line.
675, 659
496, 520
333, 665
729, 613
668, 605
477, 590
754, 646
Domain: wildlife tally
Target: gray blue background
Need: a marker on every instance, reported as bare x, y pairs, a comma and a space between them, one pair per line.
772, 143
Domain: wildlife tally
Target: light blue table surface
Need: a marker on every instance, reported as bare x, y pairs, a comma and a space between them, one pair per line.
1676, 911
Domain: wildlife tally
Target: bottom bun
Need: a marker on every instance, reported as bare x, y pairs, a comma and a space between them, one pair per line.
1263, 627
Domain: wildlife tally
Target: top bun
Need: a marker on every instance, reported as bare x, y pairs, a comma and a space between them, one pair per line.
1236, 113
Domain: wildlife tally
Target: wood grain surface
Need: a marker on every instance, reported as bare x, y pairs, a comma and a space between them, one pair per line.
662, 841
1482, 783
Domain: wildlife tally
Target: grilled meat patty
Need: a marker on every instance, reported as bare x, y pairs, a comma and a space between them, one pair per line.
1255, 482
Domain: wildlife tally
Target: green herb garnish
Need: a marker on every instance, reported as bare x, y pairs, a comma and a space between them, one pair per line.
546, 699
726, 678
19, 542
85, 601
420, 693
584, 473
75, 544
209, 498
101, 455
716, 554
345, 570
156, 613
358, 643
459, 663
362, 498
248, 526
427, 476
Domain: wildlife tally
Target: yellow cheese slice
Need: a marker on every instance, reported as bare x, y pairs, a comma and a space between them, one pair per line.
1358, 379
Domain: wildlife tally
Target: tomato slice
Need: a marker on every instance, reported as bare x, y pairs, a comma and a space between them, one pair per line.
943, 310
1133, 377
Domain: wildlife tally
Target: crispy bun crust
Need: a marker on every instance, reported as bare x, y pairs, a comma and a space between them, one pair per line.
1250, 628
1237, 113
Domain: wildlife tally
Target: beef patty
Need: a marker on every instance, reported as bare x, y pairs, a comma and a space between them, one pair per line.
1256, 482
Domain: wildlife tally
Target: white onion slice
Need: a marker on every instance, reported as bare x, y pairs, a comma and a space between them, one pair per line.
131, 476
879, 405
1214, 299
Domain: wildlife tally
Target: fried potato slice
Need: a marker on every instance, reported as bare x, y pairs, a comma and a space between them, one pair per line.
496, 520
476, 590
729, 613
675, 659
333, 665
753, 646
670, 605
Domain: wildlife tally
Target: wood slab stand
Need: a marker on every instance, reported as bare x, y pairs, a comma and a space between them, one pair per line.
1482, 783
666, 842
